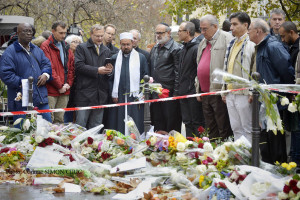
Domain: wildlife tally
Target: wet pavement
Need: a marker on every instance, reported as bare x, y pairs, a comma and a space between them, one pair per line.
18, 192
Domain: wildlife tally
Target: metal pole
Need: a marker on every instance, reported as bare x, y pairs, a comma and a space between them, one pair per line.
255, 124
30, 92
147, 118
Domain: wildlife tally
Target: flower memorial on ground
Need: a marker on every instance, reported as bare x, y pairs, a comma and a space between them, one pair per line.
176, 167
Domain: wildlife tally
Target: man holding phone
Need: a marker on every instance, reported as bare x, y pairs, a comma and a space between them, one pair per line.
92, 75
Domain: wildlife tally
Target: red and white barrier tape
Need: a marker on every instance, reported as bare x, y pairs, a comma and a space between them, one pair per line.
284, 91
115, 105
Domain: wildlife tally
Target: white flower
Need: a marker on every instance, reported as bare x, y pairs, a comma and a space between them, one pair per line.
3, 128
65, 140
201, 169
39, 139
292, 194
95, 144
86, 150
187, 143
282, 195
26, 138
105, 146
51, 134
284, 101
270, 125
153, 156
298, 186
292, 107
279, 124
180, 146
130, 123
239, 143
180, 157
153, 140
208, 147
211, 168
76, 145
259, 187
214, 175
18, 121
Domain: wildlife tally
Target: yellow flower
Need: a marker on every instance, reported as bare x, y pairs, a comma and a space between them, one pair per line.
293, 164
289, 167
284, 165
201, 179
171, 139
179, 138
277, 163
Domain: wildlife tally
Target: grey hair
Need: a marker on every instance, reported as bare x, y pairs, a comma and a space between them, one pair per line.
70, 38
277, 11
211, 19
96, 27
139, 34
261, 24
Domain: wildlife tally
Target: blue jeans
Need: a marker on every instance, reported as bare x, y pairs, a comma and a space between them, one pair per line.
295, 145
46, 116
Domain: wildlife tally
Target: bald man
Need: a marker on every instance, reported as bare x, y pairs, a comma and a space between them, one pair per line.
21, 60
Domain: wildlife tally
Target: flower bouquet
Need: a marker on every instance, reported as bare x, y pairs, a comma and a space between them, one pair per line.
291, 189
286, 168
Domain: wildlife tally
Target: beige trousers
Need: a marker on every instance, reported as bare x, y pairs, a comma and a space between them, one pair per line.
58, 102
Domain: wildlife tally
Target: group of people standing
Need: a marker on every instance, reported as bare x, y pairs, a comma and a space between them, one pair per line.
104, 74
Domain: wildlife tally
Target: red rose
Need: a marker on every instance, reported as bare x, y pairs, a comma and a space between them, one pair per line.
197, 154
222, 185
110, 137
209, 159
164, 93
148, 142
295, 189
242, 177
4, 150
201, 129
190, 138
90, 140
49, 141
286, 189
200, 145
293, 183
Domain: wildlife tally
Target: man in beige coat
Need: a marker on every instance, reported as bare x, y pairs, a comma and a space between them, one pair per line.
211, 54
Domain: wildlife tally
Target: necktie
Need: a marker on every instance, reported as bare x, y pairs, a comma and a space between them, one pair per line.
97, 49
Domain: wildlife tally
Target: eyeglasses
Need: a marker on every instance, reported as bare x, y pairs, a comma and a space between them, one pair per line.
27, 31
160, 33
179, 31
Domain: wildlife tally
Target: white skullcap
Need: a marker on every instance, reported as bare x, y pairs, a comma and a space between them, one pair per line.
126, 35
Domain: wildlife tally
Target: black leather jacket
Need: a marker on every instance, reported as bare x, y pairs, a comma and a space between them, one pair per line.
164, 62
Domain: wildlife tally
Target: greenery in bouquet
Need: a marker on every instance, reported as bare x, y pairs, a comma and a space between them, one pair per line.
286, 168
291, 189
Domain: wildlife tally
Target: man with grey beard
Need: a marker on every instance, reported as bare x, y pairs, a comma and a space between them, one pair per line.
164, 62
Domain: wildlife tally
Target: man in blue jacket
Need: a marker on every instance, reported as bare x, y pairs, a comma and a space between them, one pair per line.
274, 66
21, 60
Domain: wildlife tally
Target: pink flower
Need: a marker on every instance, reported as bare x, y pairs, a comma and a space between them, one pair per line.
12, 149
206, 139
99, 145
165, 144
204, 162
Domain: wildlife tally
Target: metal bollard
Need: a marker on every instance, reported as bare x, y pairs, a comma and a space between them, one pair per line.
30, 92
147, 118
255, 124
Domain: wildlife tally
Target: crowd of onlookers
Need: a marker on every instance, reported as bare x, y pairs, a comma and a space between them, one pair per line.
68, 72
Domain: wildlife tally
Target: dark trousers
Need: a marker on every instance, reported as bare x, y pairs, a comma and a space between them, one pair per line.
192, 115
272, 147
166, 116
216, 117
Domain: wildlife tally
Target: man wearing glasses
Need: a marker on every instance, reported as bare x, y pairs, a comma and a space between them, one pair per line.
109, 35
164, 61
21, 60
211, 54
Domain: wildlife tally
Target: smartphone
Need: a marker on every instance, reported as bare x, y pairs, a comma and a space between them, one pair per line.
107, 60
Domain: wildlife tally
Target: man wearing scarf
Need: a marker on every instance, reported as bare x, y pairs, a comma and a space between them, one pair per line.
129, 68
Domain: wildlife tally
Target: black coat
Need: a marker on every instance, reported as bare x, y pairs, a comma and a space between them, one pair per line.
187, 70
146, 54
164, 63
91, 88
112, 48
